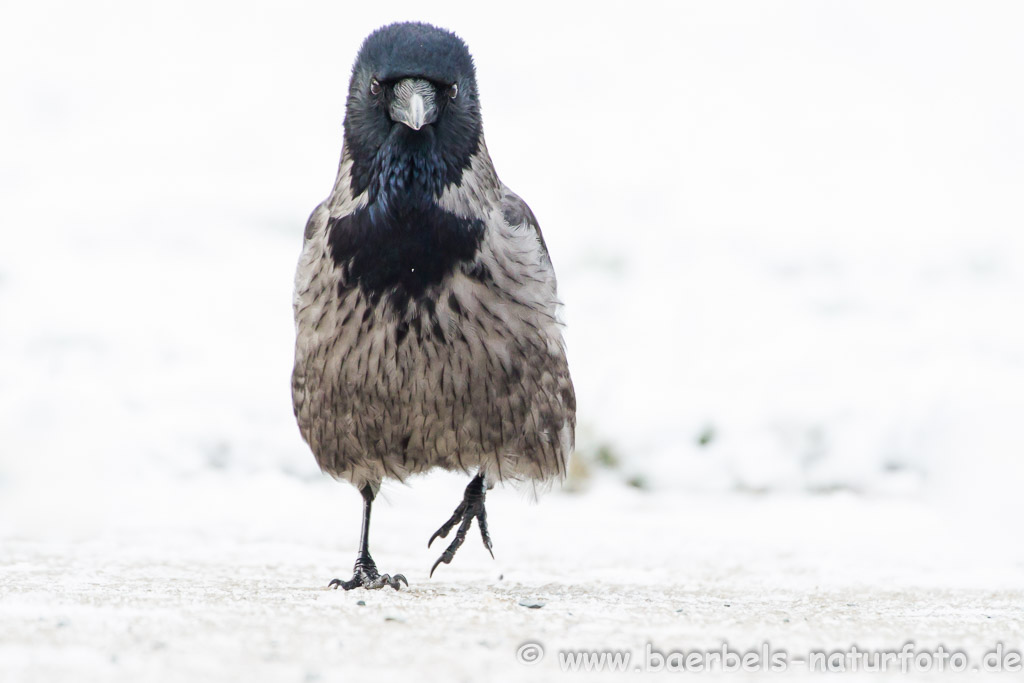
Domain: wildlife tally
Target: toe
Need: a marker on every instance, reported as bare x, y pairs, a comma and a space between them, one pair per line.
436, 535
395, 581
439, 561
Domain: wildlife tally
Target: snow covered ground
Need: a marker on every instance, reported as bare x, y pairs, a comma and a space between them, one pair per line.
246, 599
788, 237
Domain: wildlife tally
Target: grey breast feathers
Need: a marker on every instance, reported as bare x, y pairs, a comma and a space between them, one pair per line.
474, 376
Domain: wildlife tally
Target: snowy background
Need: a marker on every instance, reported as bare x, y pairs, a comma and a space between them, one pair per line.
788, 237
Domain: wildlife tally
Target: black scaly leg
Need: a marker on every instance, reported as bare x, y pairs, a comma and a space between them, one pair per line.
472, 505
365, 574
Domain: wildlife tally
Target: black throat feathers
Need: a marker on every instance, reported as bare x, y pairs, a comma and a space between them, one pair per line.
401, 243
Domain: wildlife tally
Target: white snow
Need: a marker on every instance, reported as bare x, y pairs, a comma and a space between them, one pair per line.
793, 228
220, 597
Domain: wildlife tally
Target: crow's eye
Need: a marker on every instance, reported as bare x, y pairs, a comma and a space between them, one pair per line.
453, 90
375, 87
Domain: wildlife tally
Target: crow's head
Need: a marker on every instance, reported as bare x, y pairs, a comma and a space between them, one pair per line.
412, 121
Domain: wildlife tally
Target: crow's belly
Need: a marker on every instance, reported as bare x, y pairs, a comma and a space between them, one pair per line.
392, 398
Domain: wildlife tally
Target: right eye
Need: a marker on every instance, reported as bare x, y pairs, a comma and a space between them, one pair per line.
375, 86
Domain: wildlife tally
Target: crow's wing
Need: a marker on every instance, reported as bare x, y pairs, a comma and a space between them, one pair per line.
518, 213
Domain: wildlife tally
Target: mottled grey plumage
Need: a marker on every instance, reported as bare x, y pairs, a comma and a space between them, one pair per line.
464, 369
480, 379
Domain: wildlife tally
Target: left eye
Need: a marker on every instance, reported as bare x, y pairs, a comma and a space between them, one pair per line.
375, 87
453, 90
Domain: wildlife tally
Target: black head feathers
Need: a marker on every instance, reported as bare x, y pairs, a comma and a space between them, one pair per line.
416, 49
393, 62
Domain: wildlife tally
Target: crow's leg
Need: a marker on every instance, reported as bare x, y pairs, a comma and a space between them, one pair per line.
472, 505
365, 574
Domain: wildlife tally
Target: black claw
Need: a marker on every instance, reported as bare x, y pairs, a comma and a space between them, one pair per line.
447, 526
482, 523
472, 506
366, 576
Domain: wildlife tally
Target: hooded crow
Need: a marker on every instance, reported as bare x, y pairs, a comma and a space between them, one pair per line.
427, 328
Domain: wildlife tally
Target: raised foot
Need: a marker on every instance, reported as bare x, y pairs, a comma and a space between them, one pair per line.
472, 506
367, 576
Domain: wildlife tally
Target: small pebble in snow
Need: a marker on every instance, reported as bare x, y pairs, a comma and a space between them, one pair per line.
728, 605
400, 621
531, 605
785, 621
679, 611
361, 603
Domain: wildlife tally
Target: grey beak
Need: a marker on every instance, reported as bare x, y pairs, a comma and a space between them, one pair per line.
414, 103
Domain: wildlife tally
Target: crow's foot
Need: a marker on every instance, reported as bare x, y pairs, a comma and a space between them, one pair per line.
472, 505
367, 576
